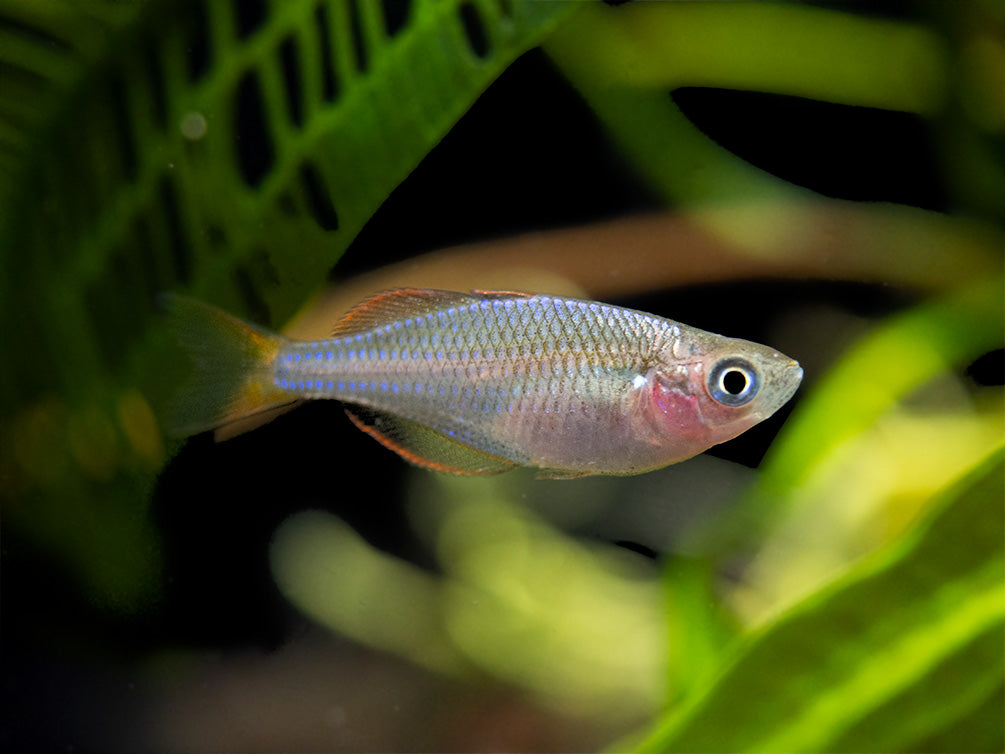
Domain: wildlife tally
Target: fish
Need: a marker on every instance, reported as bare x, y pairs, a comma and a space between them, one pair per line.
487, 381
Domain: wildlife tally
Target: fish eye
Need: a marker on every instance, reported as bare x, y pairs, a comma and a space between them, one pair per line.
733, 382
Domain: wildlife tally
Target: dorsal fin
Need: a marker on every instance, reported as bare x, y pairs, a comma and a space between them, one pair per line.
426, 447
480, 293
403, 303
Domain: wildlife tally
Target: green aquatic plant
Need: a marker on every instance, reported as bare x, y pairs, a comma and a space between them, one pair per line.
859, 665
235, 149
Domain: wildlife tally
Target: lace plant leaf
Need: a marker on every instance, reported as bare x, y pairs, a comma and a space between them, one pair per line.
230, 149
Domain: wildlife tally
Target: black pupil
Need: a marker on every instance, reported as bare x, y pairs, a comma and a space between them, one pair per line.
734, 382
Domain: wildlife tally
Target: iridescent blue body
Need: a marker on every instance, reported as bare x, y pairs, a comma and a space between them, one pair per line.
482, 382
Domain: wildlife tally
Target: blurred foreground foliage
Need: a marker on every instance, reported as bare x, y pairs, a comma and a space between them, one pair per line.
859, 664
850, 594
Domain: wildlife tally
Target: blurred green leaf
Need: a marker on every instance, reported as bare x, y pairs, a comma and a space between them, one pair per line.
700, 627
625, 61
899, 356
907, 645
579, 625
864, 451
785, 48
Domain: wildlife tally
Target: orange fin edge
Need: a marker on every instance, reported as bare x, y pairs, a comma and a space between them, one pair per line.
482, 293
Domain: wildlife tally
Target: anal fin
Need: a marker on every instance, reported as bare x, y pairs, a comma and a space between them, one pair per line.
562, 474
426, 447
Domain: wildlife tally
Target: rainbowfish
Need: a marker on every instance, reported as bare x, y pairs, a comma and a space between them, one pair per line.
483, 382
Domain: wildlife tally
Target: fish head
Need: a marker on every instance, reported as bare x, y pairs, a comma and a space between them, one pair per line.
715, 389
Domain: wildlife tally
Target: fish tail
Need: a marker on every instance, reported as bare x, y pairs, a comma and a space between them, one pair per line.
231, 374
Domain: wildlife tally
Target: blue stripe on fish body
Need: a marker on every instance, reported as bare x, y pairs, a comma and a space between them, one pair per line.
416, 363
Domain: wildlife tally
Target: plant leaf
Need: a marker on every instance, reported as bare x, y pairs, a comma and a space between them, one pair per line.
949, 331
867, 384
906, 646
230, 149
625, 60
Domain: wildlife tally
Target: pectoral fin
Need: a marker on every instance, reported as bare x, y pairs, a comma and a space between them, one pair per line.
426, 447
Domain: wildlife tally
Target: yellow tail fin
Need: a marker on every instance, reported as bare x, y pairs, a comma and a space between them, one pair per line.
231, 375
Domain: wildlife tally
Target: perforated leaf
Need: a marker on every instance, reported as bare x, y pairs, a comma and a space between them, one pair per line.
232, 149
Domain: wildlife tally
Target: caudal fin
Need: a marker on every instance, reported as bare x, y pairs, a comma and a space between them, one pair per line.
231, 367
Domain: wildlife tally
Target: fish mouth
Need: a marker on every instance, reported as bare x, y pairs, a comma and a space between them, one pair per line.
784, 380
793, 377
